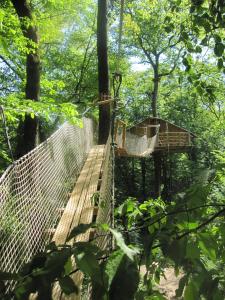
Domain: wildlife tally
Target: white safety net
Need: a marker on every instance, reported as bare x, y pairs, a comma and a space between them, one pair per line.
135, 145
34, 191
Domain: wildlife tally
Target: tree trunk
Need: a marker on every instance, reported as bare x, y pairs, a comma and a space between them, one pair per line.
28, 129
103, 71
157, 169
133, 175
143, 173
165, 192
155, 92
156, 156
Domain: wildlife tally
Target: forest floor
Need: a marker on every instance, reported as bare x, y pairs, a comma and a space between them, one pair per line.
168, 284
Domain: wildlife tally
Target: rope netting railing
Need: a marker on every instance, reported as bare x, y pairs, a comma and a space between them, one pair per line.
34, 190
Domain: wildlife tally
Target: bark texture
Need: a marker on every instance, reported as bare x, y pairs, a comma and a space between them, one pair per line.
103, 71
28, 129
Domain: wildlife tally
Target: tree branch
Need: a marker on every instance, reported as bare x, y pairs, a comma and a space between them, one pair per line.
169, 45
174, 66
11, 67
207, 222
174, 213
202, 225
150, 60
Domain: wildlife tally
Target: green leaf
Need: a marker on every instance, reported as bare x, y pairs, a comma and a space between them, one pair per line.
68, 267
87, 262
125, 283
81, 228
104, 227
156, 296
204, 42
198, 49
192, 251
182, 283
87, 246
68, 286
208, 245
24, 288
191, 292
56, 261
217, 38
51, 247
187, 64
177, 250
121, 244
220, 63
112, 267
217, 295
218, 49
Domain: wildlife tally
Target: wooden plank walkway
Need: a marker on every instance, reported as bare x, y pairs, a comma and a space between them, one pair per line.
80, 208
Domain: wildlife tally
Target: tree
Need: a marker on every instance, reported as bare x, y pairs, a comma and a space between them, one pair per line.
103, 72
28, 129
155, 32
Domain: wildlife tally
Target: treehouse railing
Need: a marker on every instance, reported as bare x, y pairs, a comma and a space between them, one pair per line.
174, 139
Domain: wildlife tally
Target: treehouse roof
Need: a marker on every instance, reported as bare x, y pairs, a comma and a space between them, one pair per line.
164, 125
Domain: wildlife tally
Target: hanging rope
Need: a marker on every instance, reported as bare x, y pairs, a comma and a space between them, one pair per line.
6, 131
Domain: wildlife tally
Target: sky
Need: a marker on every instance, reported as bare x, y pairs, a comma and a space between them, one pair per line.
136, 64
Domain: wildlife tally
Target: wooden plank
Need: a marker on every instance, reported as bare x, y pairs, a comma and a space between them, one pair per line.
87, 193
64, 225
87, 214
80, 198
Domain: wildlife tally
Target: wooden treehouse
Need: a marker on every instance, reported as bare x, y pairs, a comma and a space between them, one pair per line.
151, 135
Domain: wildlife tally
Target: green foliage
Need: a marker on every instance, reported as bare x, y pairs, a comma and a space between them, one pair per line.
55, 264
121, 244
186, 233
81, 228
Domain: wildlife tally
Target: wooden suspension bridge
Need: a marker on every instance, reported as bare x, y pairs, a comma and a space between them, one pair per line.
36, 181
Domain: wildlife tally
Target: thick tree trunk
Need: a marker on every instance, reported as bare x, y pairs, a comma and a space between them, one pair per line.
156, 156
103, 71
155, 96
28, 129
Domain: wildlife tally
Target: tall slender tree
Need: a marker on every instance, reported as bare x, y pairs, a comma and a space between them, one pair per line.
159, 41
103, 71
28, 129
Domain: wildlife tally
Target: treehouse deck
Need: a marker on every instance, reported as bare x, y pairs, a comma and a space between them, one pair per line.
151, 135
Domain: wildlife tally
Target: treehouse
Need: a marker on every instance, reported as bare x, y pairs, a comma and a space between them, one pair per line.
151, 135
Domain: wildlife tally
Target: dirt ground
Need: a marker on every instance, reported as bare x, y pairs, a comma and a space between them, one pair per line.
169, 285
